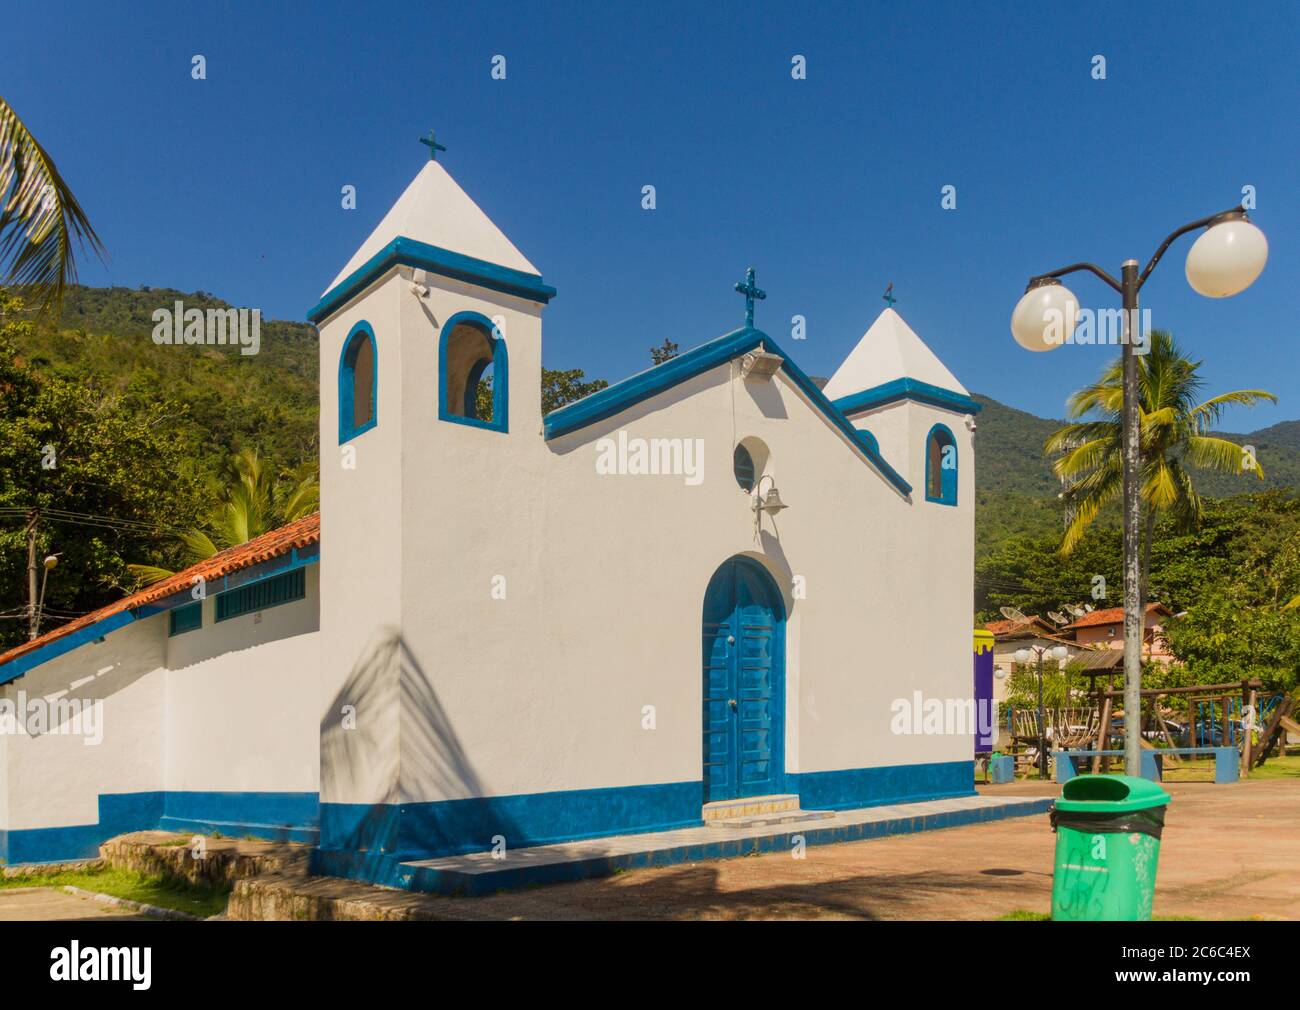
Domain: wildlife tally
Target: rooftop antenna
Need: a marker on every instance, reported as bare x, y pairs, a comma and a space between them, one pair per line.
1012, 614
1058, 617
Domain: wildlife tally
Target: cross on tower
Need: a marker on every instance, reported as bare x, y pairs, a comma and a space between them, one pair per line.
433, 145
751, 292
888, 296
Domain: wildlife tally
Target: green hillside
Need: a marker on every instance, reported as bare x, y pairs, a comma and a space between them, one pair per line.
1015, 491
265, 400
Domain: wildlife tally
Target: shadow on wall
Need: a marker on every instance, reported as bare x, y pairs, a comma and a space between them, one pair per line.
387, 734
400, 746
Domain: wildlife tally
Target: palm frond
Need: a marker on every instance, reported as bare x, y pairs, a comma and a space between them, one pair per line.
149, 574
1210, 453
40, 219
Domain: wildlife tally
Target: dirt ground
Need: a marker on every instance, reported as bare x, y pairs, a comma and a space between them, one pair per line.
33, 904
1229, 852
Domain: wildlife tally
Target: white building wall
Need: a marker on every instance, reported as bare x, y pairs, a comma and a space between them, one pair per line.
56, 780
361, 519
242, 700
605, 579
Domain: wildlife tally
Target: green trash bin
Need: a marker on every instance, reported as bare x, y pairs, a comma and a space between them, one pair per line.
1107, 846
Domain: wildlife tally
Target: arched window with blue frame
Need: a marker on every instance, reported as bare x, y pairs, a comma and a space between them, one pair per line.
941, 466
358, 383
473, 373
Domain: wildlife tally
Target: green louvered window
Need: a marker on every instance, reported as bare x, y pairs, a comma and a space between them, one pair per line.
262, 595
186, 618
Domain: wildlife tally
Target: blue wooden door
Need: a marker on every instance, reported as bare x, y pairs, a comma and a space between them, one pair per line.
744, 683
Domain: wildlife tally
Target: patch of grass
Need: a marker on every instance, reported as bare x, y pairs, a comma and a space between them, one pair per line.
183, 897
1278, 768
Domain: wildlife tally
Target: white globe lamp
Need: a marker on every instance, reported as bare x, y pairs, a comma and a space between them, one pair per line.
1045, 317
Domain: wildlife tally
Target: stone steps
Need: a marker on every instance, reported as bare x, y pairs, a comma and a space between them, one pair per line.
750, 806
763, 820
224, 861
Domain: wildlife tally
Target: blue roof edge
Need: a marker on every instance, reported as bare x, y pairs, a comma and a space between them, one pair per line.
907, 389
435, 259
620, 396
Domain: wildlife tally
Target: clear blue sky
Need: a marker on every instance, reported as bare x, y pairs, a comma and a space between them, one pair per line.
830, 186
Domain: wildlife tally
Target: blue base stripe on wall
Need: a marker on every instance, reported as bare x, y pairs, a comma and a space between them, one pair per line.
455, 827
852, 788
290, 816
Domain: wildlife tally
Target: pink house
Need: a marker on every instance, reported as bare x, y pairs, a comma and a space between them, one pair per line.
1106, 628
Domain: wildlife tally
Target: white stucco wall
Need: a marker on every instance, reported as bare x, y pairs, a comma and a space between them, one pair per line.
605, 577
242, 700
56, 780
229, 707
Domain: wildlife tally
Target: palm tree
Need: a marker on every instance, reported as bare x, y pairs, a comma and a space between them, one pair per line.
255, 503
1175, 433
39, 217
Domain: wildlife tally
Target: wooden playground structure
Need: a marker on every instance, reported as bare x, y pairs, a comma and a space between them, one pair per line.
1237, 715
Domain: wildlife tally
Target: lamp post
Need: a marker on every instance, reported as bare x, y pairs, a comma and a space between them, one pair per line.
1059, 653
50, 561
1223, 261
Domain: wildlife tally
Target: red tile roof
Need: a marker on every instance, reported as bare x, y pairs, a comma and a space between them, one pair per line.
1034, 626
270, 545
1114, 615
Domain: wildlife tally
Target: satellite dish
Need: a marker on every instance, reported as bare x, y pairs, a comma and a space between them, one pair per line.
1058, 618
1087, 608
1012, 614
1075, 610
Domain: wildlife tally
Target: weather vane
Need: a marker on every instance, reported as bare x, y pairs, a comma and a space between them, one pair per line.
433, 145
751, 292
888, 296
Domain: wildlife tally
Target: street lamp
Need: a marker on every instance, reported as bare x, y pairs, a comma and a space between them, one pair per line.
50, 561
1223, 261
1059, 653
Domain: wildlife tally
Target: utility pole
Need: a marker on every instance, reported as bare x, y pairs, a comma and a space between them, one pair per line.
33, 619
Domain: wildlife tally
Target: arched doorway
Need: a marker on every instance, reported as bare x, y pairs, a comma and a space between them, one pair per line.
744, 683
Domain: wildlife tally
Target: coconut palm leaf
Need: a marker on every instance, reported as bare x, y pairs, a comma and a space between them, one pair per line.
1174, 429
40, 219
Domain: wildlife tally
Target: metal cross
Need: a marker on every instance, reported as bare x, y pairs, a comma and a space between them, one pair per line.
433, 145
751, 292
888, 296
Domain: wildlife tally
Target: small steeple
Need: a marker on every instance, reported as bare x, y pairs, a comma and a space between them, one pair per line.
890, 350
436, 211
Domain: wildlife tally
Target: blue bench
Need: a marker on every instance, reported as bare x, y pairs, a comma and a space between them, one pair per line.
1227, 762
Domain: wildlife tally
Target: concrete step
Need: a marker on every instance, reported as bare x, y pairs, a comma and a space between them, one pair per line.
778, 817
750, 806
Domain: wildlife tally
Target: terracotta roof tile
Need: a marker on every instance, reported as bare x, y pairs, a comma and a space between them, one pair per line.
1114, 615
269, 545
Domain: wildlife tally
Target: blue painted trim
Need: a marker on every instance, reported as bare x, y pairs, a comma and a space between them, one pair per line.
619, 397
391, 871
347, 383
947, 478
299, 557
907, 389
444, 262
855, 788
456, 827
500, 375
377, 834
18, 666
265, 815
